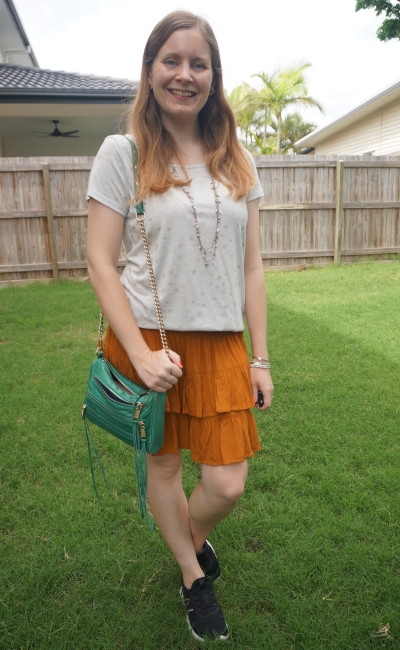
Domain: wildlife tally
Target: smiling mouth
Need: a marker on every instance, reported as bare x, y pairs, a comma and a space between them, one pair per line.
181, 93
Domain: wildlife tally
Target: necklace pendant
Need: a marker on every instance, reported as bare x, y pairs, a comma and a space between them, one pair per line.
217, 200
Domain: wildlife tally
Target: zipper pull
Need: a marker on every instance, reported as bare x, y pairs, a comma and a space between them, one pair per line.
84, 407
142, 428
138, 408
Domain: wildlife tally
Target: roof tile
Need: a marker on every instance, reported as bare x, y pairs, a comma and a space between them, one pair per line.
14, 77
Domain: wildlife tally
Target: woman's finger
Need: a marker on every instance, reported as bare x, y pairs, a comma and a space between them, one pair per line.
267, 395
160, 372
175, 358
261, 381
172, 379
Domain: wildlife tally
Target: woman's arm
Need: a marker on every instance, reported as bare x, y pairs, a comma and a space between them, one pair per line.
255, 305
104, 237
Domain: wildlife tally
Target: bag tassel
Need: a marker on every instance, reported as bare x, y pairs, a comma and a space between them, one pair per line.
90, 442
139, 451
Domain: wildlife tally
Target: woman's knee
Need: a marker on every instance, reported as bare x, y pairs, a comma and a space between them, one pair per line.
227, 485
164, 468
230, 494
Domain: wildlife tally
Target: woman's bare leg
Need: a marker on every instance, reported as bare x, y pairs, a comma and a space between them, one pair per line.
170, 508
214, 498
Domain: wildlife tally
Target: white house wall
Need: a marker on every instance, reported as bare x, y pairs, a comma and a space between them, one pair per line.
12, 46
32, 146
378, 133
94, 122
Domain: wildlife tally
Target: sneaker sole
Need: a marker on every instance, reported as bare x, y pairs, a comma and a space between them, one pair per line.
196, 636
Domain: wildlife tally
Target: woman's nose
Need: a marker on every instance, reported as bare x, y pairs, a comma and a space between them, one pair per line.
184, 72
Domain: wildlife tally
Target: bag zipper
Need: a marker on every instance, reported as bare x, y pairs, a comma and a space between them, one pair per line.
113, 392
107, 409
128, 390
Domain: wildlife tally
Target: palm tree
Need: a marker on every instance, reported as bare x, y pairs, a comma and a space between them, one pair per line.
293, 128
263, 144
281, 90
243, 102
262, 102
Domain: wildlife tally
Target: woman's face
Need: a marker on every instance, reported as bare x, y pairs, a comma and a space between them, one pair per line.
181, 75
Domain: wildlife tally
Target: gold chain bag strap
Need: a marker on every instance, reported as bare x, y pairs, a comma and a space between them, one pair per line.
118, 405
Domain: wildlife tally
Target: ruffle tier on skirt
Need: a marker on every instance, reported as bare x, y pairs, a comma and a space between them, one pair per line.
208, 410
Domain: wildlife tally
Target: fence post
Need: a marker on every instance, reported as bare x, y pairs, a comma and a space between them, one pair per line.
337, 255
50, 220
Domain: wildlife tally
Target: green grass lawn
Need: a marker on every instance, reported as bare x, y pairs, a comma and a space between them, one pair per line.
311, 556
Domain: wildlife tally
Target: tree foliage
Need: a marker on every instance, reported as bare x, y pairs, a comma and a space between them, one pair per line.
282, 90
390, 27
294, 128
263, 116
243, 102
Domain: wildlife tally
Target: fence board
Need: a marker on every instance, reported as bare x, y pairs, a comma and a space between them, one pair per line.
47, 266
339, 212
306, 190
297, 215
50, 221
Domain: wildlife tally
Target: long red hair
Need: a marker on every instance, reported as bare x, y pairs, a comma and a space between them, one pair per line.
226, 159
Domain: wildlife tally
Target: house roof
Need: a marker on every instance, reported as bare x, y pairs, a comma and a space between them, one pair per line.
20, 83
374, 103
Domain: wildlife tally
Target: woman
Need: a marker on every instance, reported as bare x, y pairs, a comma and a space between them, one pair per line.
200, 191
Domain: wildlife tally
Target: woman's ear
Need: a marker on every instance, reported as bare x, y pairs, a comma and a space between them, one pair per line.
149, 79
211, 91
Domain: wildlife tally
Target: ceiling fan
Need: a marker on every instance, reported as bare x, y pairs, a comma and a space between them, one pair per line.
57, 133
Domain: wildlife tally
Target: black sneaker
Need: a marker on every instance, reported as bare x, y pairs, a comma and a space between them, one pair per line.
207, 558
204, 615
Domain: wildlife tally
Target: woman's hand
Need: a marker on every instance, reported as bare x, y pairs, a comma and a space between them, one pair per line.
261, 380
158, 371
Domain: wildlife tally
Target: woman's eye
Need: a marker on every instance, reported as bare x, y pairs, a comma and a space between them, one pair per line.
170, 62
198, 66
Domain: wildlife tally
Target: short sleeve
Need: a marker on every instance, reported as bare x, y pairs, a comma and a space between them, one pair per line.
109, 180
256, 192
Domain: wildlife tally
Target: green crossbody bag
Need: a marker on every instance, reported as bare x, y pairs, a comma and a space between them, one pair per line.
118, 405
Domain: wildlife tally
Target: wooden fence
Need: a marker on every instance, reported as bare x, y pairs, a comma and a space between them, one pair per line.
316, 209
43, 216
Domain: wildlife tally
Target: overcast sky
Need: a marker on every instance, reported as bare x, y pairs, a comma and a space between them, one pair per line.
107, 37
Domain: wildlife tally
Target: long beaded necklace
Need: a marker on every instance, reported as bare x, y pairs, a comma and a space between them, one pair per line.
214, 244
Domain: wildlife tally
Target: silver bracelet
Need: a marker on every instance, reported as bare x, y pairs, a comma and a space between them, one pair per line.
259, 359
258, 364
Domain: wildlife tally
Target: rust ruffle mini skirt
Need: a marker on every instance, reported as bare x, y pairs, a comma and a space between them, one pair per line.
208, 410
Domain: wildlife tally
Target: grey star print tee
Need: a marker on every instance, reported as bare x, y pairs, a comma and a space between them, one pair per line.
193, 297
